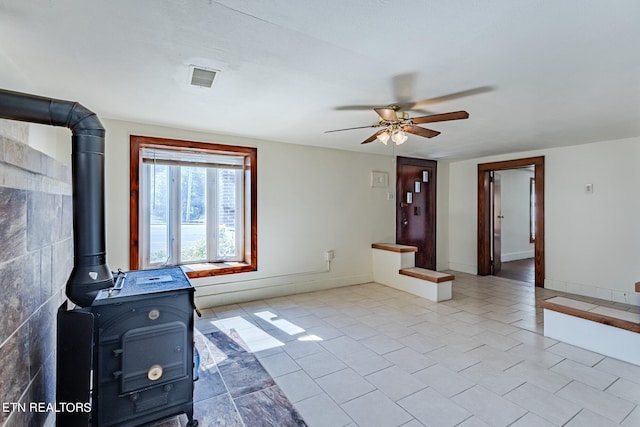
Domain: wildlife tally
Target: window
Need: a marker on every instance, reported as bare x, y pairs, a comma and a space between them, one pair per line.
193, 204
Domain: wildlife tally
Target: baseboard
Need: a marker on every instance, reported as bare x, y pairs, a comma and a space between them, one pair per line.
230, 293
515, 256
463, 268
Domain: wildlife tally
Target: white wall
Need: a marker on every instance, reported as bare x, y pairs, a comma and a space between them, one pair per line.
309, 200
442, 217
40, 137
515, 210
592, 241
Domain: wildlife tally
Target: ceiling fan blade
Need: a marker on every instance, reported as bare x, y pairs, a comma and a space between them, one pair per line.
356, 107
387, 113
373, 137
398, 105
455, 115
404, 87
417, 130
359, 127
449, 97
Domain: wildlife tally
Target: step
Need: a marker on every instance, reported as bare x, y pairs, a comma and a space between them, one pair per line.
394, 247
596, 313
424, 274
605, 330
390, 260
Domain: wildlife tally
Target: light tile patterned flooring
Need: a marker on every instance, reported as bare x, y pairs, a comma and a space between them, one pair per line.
369, 355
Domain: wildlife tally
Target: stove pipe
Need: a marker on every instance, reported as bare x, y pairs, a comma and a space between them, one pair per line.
90, 271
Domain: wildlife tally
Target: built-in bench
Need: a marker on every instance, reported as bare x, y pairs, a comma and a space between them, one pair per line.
429, 275
598, 328
394, 266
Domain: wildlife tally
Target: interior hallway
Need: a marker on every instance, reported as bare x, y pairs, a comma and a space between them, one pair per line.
372, 355
522, 270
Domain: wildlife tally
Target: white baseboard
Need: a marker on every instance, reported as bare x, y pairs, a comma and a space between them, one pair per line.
216, 295
514, 256
463, 268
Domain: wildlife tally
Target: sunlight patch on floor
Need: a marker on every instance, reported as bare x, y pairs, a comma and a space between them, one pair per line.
254, 337
282, 324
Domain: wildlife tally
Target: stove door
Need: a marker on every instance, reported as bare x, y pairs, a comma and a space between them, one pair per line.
154, 355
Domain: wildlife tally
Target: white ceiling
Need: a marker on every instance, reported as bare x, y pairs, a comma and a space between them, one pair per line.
561, 72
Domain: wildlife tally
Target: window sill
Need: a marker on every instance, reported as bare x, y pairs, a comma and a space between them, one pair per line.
194, 271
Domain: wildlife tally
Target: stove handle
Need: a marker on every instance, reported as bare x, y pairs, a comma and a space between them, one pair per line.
120, 276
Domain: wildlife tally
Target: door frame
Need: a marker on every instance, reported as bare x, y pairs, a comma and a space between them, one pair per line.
484, 213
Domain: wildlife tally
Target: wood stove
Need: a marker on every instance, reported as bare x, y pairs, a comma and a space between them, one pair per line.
138, 338
126, 350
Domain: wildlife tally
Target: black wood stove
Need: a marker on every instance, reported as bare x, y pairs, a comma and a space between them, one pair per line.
135, 345
125, 352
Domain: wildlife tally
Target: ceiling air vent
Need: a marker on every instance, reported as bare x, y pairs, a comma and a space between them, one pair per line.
202, 77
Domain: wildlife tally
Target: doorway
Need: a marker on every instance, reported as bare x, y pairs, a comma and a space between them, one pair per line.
416, 208
486, 212
513, 225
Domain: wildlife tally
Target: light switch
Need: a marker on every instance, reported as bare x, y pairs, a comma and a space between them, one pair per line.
588, 188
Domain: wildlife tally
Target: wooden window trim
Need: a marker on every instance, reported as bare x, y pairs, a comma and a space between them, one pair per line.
137, 143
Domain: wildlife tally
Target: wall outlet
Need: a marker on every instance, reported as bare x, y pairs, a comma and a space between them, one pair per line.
329, 255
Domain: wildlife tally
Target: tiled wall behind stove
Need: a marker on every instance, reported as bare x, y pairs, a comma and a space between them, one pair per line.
36, 257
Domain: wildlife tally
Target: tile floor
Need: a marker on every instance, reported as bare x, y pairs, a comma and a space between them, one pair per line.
369, 355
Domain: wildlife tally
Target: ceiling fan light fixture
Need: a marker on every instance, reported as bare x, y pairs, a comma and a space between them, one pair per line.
383, 137
399, 137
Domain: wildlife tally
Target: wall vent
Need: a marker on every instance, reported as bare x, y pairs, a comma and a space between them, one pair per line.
202, 77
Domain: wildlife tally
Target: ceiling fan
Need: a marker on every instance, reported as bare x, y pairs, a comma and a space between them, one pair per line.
396, 124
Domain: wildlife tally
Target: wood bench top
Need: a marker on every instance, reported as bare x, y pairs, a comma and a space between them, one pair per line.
596, 313
429, 275
394, 247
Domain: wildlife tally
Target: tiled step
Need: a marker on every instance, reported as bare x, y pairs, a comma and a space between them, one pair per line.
394, 265
429, 275
394, 247
605, 330
606, 315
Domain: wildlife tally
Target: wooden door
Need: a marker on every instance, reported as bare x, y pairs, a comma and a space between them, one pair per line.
416, 208
496, 262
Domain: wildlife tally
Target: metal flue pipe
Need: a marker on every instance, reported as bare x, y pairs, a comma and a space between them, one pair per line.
90, 271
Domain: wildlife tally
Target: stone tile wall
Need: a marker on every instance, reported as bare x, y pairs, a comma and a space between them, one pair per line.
36, 257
